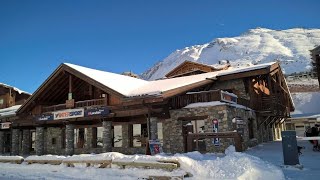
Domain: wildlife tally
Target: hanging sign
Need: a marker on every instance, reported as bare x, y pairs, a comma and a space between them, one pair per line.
5, 125
68, 113
216, 141
97, 111
155, 147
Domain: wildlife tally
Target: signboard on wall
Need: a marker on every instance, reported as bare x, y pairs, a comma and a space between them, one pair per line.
155, 147
5, 125
45, 117
228, 97
97, 111
216, 141
74, 113
68, 113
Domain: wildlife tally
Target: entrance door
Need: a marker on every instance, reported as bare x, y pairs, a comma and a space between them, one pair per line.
187, 128
7, 142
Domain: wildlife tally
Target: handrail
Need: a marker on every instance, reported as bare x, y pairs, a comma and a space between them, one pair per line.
85, 103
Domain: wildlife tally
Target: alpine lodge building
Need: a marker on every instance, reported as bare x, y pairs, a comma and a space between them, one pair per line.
195, 107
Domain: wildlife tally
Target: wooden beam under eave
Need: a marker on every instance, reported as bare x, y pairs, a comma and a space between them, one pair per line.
179, 90
93, 82
244, 74
133, 112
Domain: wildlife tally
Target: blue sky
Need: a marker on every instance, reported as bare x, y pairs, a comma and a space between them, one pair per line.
117, 36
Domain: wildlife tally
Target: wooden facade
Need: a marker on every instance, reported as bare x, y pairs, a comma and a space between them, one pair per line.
67, 90
188, 68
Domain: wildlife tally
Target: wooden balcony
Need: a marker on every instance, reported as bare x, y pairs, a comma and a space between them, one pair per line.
205, 96
78, 104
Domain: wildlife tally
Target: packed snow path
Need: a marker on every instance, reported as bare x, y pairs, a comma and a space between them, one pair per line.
272, 152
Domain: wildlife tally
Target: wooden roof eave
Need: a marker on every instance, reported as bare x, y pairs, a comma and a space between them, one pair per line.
40, 89
184, 63
73, 72
239, 75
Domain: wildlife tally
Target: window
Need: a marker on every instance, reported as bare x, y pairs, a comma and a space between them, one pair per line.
139, 134
250, 127
1, 101
99, 137
196, 126
79, 137
33, 140
160, 132
117, 136
53, 141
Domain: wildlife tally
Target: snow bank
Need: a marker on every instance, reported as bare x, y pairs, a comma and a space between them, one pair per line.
45, 157
306, 102
232, 166
13, 158
216, 103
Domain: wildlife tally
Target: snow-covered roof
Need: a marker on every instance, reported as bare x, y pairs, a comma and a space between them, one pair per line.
305, 116
14, 88
9, 111
120, 83
129, 86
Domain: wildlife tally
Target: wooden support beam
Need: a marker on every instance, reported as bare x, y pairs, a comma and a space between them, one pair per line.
263, 121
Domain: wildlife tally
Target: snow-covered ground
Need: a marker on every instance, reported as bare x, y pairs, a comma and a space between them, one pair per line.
272, 153
262, 162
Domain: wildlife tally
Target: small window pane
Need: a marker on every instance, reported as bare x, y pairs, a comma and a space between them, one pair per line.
117, 136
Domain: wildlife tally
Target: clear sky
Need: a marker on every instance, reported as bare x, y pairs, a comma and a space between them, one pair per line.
117, 36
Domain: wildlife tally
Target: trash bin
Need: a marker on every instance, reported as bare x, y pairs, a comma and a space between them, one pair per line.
289, 148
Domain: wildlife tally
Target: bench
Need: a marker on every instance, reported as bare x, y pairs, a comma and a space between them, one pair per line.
11, 159
101, 163
146, 164
38, 161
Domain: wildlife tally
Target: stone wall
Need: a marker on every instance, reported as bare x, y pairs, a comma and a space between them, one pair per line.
2, 136
53, 141
173, 137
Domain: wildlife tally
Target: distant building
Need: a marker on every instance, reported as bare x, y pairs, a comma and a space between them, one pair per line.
301, 122
11, 99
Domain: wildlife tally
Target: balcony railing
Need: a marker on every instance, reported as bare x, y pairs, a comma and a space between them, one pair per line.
78, 104
205, 96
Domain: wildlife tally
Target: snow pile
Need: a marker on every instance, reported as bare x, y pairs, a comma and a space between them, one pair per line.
13, 158
216, 103
233, 166
9, 111
291, 47
14, 88
45, 157
306, 102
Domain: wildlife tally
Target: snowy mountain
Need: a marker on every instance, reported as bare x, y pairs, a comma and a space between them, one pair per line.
289, 47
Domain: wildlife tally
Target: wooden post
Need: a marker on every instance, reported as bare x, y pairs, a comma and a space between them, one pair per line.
237, 142
70, 87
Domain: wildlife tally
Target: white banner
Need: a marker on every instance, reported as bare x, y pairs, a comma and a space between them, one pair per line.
68, 113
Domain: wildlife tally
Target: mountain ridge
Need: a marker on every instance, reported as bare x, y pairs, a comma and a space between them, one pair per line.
260, 45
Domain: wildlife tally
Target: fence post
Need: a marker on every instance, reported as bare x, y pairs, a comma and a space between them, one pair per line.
237, 142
